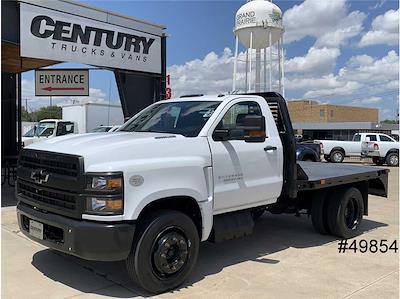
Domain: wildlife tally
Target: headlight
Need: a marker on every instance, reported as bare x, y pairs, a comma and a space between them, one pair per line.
107, 206
105, 193
99, 183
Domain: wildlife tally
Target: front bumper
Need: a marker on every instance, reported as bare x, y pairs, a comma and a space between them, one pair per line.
85, 239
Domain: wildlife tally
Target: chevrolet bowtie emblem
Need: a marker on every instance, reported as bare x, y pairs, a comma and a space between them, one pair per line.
39, 176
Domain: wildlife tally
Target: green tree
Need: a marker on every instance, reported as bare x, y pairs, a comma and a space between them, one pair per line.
48, 112
25, 115
389, 121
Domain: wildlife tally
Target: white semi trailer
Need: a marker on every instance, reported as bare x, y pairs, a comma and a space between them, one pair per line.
92, 115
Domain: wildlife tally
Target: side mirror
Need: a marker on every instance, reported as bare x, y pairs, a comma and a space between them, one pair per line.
221, 135
254, 128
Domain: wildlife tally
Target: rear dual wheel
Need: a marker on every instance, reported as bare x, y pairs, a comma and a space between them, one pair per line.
339, 214
164, 252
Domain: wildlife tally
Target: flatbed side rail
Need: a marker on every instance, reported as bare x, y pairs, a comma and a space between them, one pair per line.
377, 182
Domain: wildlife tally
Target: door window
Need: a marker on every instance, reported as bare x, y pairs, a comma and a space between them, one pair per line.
235, 116
372, 137
385, 138
65, 128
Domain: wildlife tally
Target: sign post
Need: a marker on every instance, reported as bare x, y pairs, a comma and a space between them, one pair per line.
62, 82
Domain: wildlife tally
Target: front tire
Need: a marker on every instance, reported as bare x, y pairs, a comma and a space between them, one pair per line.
392, 159
337, 156
164, 251
345, 213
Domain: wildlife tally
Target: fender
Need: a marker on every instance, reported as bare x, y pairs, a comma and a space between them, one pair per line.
205, 206
338, 148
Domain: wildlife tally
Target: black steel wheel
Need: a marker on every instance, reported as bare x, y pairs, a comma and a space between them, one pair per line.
164, 251
345, 213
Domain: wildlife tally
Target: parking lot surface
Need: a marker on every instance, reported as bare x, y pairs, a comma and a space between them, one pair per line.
284, 258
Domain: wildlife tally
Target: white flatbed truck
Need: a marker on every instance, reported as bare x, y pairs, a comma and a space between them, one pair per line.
182, 171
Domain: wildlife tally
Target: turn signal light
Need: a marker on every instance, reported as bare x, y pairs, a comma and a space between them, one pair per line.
114, 183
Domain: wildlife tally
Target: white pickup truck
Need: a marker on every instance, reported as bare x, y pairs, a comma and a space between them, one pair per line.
335, 150
382, 149
49, 128
179, 172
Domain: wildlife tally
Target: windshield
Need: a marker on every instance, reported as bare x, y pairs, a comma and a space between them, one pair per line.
100, 129
45, 129
30, 133
184, 118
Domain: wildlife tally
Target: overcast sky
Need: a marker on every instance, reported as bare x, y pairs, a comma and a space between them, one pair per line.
337, 51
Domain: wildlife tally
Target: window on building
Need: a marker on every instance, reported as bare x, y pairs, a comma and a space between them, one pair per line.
322, 113
372, 137
385, 138
357, 137
331, 113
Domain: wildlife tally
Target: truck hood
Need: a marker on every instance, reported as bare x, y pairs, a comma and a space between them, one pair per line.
110, 151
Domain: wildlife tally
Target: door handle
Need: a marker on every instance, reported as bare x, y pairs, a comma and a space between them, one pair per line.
270, 148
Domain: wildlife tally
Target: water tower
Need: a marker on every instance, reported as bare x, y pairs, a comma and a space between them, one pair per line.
258, 26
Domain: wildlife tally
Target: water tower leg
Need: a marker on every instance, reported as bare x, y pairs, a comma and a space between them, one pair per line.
283, 68
251, 58
246, 69
279, 66
235, 64
265, 69
258, 70
270, 61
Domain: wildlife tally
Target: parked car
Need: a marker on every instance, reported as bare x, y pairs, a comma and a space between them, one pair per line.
49, 128
308, 152
383, 149
180, 172
335, 150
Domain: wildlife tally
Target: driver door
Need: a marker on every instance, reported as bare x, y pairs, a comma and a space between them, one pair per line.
246, 174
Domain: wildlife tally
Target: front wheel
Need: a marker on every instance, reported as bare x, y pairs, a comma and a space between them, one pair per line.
164, 252
345, 213
392, 159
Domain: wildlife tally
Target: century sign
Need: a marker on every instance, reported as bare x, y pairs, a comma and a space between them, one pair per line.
61, 82
53, 35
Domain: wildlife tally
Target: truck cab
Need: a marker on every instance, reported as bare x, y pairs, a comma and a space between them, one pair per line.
49, 128
182, 171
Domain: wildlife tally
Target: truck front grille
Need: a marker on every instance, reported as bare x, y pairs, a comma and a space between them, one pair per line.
49, 197
51, 182
54, 163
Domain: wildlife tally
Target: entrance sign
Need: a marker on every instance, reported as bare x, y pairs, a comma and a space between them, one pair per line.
61, 82
53, 35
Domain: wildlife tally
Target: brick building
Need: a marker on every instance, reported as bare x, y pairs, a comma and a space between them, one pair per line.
307, 111
323, 121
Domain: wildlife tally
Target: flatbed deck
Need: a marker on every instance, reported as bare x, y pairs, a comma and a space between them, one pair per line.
321, 175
